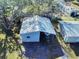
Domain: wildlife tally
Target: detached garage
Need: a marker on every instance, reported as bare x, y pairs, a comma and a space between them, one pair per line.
69, 31
36, 27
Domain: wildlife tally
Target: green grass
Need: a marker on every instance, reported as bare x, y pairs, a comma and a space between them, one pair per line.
68, 18
2, 36
13, 55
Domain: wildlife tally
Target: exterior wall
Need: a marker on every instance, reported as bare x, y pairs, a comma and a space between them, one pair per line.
45, 37
30, 37
71, 39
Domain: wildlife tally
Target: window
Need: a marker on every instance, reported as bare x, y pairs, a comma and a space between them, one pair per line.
28, 36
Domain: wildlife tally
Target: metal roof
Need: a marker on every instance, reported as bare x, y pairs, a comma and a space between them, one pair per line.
70, 31
37, 23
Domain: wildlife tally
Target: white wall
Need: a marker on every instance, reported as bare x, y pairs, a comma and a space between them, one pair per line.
33, 37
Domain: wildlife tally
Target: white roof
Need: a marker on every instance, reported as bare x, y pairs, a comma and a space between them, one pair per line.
37, 23
70, 28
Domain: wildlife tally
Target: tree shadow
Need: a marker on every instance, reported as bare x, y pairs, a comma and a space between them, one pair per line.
38, 50
75, 47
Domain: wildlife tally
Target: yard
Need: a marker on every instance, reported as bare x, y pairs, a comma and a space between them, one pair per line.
68, 48
39, 50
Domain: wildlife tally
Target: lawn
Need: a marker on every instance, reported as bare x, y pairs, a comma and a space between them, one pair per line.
68, 18
71, 54
14, 54
2, 36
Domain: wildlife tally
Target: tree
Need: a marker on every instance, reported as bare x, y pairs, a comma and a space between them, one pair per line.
17, 9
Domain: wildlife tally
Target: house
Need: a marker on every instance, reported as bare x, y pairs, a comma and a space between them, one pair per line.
69, 31
36, 27
66, 9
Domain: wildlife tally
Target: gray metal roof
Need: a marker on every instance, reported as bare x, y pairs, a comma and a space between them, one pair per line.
37, 23
70, 31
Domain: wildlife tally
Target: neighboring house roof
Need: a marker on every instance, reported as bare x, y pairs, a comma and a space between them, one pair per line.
37, 23
70, 28
70, 31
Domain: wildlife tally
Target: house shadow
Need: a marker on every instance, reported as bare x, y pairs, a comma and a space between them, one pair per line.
75, 48
43, 50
